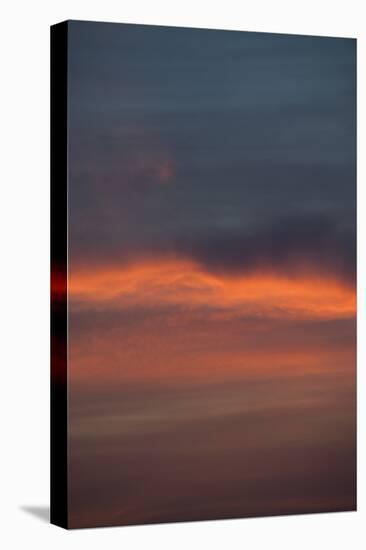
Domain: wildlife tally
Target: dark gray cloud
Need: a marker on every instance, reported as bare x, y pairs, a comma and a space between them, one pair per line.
288, 245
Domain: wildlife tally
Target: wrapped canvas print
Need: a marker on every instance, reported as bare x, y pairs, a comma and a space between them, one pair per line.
203, 257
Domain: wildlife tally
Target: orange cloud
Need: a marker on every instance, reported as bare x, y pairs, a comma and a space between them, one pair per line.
213, 327
175, 282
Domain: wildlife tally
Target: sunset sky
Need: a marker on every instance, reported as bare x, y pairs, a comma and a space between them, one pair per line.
212, 274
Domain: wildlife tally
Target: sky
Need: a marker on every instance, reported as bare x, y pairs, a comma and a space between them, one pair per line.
212, 274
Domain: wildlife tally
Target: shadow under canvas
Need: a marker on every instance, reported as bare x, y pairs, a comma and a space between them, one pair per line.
40, 512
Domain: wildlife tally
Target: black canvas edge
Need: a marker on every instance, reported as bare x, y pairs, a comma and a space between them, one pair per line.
58, 321
356, 365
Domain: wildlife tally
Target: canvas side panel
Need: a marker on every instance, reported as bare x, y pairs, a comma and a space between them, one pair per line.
59, 463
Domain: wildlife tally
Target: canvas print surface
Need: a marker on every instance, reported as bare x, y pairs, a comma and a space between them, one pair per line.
209, 274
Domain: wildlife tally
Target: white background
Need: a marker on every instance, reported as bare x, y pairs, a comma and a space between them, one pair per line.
24, 245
